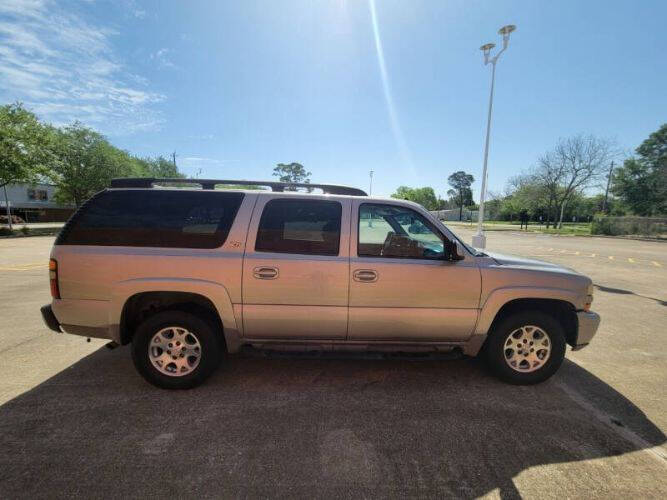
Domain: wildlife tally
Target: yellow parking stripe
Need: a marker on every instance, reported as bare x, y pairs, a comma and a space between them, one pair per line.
631, 260
593, 255
656, 264
611, 257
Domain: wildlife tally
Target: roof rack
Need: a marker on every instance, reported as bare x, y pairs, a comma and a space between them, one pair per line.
149, 182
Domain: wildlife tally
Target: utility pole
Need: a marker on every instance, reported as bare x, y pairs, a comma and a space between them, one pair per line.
370, 190
173, 158
606, 192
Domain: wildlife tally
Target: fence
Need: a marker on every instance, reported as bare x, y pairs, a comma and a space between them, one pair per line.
453, 214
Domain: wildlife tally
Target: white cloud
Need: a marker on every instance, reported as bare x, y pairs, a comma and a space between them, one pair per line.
162, 58
65, 69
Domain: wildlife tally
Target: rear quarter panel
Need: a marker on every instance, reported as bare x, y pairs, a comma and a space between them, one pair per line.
95, 281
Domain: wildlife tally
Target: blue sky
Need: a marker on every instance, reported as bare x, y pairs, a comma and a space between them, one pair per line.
235, 87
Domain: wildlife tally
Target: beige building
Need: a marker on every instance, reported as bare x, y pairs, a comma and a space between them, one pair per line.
33, 203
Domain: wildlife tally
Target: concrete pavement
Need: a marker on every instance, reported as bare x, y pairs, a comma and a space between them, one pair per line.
76, 419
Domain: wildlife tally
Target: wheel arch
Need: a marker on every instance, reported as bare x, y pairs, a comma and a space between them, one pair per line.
135, 300
561, 310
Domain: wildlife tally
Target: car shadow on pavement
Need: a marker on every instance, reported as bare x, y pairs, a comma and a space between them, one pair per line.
307, 428
628, 292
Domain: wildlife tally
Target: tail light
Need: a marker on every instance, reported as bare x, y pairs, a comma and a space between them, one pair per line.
53, 278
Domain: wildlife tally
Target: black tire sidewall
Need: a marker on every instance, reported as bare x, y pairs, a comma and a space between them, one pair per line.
494, 350
205, 333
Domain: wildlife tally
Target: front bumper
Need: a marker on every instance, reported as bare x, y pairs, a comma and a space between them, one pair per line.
50, 318
588, 325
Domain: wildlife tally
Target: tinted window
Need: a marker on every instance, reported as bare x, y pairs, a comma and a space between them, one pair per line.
153, 218
300, 226
393, 231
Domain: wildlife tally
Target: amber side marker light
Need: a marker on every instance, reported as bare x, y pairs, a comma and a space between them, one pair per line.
53, 278
589, 301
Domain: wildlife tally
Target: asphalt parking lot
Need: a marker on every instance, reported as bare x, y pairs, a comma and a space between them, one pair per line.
76, 419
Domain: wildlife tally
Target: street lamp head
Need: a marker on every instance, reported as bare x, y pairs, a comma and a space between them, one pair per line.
506, 30
486, 48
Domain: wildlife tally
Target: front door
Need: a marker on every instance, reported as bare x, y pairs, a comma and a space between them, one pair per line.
295, 270
401, 288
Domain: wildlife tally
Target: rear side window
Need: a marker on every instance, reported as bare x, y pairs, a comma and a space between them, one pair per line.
153, 218
300, 226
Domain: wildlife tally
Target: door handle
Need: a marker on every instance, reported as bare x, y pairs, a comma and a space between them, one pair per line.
365, 275
265, 273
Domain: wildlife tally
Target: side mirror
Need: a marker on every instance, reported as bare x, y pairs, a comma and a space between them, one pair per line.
456, 253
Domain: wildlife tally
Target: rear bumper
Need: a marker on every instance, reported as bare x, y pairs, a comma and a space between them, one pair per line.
50, 318
588, 326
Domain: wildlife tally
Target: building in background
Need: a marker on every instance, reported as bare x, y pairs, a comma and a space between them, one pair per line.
34, 203
453, 214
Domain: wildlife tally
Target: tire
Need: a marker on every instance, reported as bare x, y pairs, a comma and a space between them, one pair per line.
513, 361
176, 350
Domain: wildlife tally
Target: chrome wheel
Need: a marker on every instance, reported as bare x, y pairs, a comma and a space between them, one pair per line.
174, 351
527, 349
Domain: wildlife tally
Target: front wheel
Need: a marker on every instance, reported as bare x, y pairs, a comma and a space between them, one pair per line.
175, 350
525, 348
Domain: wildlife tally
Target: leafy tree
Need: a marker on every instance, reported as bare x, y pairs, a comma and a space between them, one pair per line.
642, 182
25, 145
460, 183
291, 172
155, 167
86, 163
425, 196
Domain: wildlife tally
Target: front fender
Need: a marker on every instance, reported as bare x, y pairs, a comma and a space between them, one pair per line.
501, 296
213, 291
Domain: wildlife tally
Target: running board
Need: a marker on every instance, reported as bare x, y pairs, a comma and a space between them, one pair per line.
344, 352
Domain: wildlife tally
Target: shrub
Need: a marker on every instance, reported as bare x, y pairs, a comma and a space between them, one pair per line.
616, 226
25, 230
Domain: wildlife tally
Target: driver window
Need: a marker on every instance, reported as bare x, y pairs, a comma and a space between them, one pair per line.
398, 232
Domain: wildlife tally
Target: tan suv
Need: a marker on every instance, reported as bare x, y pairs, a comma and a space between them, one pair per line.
188, 274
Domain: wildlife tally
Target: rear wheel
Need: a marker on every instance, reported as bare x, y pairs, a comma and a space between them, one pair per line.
175, 350
526, 348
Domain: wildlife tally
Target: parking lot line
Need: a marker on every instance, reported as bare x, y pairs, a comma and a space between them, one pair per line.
656, 264
631, 260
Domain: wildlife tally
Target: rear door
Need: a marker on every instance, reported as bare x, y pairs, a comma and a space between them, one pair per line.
296, 266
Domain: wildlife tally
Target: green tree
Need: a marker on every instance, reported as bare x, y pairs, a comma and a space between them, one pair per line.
642, 182
460, 183
291, 172
86, 163
25, 145
425, 196
156, 167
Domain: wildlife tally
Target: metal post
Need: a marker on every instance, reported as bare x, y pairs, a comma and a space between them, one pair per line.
606, 192
370, 190
479, 240
9, 212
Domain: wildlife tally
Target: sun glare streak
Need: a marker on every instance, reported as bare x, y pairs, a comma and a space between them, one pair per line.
391, 109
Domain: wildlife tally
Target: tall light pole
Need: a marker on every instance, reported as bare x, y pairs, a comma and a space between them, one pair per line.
479, 239
370, 190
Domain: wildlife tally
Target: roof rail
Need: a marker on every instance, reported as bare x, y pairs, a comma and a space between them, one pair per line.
149, 182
